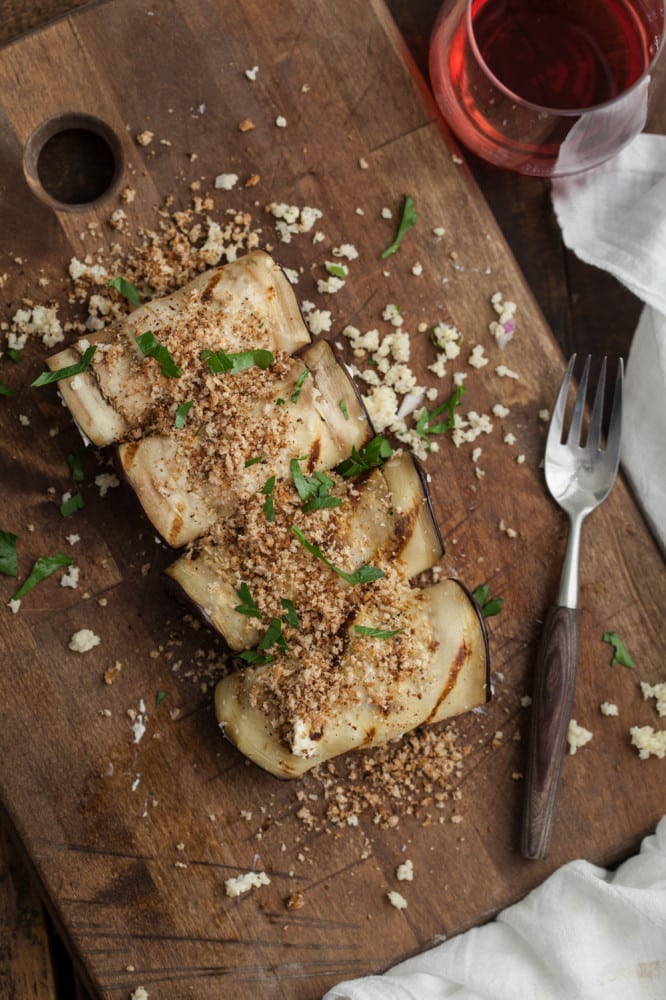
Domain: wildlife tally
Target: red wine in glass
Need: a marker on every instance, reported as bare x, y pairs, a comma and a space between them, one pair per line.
516, 77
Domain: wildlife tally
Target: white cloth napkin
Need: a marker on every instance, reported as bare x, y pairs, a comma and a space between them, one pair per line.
583, 934
615, 217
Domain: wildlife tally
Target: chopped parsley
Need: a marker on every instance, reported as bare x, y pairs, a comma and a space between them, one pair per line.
41, 569
313, 490
371, 455
69, 370
5, 391
221, 363
377, 633
337, 270
8, 558
408, 220
489, 605
126, 289
427, 423
364, 574
272, 637
181, 414
248, 605
150, 347
621, 654
76, 467
71, 504
291, 616
254, 461
14, 354
343, 407
267, 490
159, 697
299, 385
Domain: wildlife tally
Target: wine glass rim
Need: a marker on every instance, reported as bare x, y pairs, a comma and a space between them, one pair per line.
545, 108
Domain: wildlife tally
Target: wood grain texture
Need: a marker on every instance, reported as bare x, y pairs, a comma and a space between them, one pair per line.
104, 842
554, 686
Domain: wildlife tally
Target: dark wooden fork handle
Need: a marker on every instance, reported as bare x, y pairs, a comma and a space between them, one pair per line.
554, 683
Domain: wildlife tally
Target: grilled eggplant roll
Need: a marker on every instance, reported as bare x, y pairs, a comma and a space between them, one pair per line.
242, 430
246, 305
382, 516
405, 658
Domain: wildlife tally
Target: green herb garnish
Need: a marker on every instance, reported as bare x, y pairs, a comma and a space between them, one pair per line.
371, 455
299, 385
291, 616
221, 363
337, 270
269, 507
343, 406
427, 423
76, 467
272, 637
621, 654
489, 605
126, 289
71, 505
159, 697
365, 574
69, 370
377, 633
254, 461
408, 220
181, 414
5, 390
313, 490
8, 558
41, 569
151, 348
14, 354
247, 606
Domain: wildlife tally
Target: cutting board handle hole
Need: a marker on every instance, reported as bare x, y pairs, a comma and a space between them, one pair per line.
73, 161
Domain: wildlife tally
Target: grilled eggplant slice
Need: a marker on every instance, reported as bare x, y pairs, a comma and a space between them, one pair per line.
244, 429
246, 305
383, 516
360, 688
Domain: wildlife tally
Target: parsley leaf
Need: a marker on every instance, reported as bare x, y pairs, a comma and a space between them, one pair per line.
267, 490
313, 490
272, 637
291, 616
254, 461
377, 633
343, 406
68, 371
408, 220
126, 289
5, 391
8, 559
221, 363
41, 569
621, 654
489, 605
150, 347
76, 467
14, 354
181, 414
247, 606
364, 574
337, 270
299, 385
71, 505
371, 455
427, 423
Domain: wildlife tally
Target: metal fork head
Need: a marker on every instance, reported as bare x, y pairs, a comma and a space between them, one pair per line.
580, 472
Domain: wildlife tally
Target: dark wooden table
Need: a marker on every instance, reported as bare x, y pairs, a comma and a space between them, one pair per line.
587, 310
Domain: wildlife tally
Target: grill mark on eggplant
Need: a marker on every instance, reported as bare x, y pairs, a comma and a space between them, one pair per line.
461, 658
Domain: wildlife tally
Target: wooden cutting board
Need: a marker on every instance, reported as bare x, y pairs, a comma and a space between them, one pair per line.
131, 842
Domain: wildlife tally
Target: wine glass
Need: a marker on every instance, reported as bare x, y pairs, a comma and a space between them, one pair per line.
545, 87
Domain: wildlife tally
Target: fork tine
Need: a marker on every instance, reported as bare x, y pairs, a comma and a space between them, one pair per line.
594, 430
579, 406
615, 426
559, 409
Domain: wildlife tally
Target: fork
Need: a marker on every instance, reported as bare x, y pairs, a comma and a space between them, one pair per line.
579, 475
